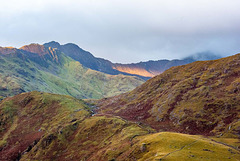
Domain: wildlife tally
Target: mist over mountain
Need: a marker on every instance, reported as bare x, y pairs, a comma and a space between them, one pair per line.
204, 56
144, 70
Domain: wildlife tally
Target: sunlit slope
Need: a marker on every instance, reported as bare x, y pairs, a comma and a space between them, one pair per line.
175, 146
42, 126
109, 138
199, 98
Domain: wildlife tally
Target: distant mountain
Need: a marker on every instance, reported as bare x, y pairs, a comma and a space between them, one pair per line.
144, 70
44, 126
150, 68
41, 68
68, 69
198, 98
84, 57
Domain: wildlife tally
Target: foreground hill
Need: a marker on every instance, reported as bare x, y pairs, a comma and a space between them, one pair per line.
199, 98
42, 126
36, 67
26, 118
143, 70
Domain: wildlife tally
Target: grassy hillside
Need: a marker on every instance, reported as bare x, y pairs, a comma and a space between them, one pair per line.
110, 138
27, 117
174, 146
49, 70
42, 126
198, 98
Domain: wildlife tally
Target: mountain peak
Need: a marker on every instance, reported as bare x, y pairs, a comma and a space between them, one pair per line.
74, 46
35, 48
7, 50
52, 44
42, 51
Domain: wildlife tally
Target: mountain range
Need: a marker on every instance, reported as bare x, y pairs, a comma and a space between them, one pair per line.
200, 98
68, 69
188, 112
40, 68
197, 98
143, 70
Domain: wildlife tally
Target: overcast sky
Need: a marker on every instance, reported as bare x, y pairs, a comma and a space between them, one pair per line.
125, 30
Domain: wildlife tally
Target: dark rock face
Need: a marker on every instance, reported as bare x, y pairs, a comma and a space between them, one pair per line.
144, 70
84, 57
37, 67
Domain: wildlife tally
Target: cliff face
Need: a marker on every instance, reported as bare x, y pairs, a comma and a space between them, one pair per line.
198, 98
84, 57
42, 51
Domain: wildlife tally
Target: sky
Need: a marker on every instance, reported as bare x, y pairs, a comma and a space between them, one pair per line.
125, 31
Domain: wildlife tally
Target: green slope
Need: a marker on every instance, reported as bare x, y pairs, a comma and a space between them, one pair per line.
49, 70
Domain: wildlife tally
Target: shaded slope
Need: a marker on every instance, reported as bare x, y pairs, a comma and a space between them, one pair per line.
42, 126
198, 98
143, 70
84, 57
35, 67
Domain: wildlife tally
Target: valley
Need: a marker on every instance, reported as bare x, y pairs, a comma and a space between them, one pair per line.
119, 80
42, 126
58, 106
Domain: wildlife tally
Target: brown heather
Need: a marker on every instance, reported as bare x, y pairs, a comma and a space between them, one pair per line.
199, 98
